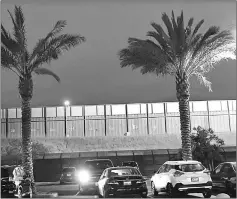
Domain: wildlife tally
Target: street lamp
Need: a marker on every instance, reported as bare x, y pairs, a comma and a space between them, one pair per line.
66, 105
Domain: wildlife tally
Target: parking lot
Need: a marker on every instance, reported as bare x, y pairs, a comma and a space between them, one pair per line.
72, 191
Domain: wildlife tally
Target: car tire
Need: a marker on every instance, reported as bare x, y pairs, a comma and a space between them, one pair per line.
61, 182
207, 194
229, 189
170, 190
144, 195
105, 194
155, 192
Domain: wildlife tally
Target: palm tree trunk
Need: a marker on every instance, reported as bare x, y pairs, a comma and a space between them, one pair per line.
182, 89
26, 90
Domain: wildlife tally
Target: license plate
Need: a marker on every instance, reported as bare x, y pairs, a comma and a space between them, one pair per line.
68, 174
128, 183
10, 191
194, 179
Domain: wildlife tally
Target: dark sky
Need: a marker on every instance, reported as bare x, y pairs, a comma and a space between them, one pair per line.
90, 73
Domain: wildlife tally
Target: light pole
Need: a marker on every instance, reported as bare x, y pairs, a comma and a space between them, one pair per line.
66, 105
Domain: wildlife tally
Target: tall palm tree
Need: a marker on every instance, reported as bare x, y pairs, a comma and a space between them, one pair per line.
182, 53
16, 58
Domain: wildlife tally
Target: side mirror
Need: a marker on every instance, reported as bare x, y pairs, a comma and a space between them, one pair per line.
154, 172
96, 184
207, 171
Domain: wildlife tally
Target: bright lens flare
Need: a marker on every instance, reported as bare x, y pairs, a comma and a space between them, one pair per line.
83, 176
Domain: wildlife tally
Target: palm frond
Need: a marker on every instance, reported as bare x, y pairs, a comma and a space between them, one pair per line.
42, 43
213, 30
147, 56
45, 71
161, 32
19, 26
8, 42
203, 81
8, 61
223, 47
55, 47
168, 25
197, 27
188, 29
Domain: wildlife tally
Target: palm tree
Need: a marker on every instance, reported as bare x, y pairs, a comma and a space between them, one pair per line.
16, 58
182, 53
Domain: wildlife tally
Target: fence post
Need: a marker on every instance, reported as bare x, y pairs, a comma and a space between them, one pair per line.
7, 123
228, 108
165, 111
147, 119
84, 117
208, 115
65, 121
126, 109
105, 119
45, 122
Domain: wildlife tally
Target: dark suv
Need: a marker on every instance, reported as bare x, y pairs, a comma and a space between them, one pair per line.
130, 164
90, 173
68, 175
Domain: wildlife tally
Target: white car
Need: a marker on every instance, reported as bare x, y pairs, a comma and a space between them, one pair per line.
186, 177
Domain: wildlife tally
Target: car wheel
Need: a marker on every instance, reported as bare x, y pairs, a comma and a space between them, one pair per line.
229, 189
144, 195
19, 193
170, 190
207, 194
155, 193
105, 194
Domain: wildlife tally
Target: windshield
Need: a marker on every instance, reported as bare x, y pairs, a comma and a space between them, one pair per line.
190, 167
67, 170
131, 164
122, 172
98, 164
4, 173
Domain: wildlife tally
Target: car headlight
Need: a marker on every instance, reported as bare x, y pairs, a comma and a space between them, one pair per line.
83, 176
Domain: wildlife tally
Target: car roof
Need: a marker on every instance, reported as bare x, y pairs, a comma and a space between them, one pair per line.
69, 167
181, 162
123, 167
97, 160
228, 163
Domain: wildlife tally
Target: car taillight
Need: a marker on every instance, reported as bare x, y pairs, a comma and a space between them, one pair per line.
113, 182
178, 173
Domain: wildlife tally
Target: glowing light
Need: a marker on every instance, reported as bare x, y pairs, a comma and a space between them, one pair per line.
83, 176
66, 103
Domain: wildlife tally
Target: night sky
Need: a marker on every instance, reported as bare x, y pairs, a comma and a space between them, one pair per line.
91, 73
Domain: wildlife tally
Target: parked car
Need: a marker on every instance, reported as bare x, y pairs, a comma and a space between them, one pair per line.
118, 181
8, 187
131, 164
175, 177
14, 185
90, 173
69, 175
224, 177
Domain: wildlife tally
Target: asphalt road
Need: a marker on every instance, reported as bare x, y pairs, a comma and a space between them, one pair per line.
72, 191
